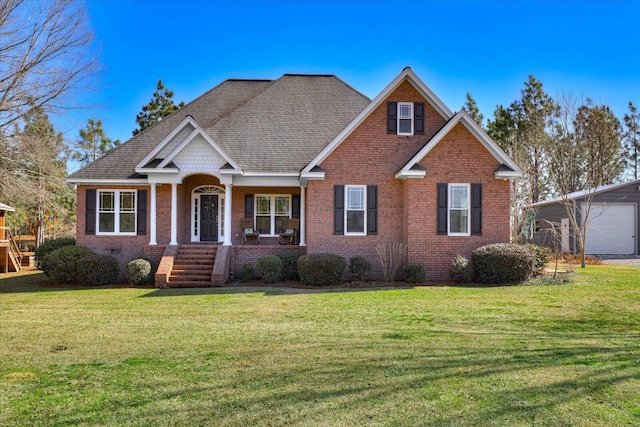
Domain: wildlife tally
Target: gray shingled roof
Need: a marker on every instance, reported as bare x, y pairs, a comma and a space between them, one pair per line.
264, 126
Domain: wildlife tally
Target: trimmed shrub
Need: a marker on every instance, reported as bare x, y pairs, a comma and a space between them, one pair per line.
359, 268
60, 266
140, 271
270, 268
101, 270
542, 255
503, 263
414, 273
289, 265
321, 269
49, 246
248, 273
460, 270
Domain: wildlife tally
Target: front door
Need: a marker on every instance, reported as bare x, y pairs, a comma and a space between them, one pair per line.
208, 218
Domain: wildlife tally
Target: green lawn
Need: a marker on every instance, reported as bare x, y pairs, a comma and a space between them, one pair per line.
446, 356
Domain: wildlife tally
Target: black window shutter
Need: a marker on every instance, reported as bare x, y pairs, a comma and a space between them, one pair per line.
90, 212
443, 190
372, 209
338, 209
142, 212
476, 209
295, 206
392, 117
248, 206
418, 120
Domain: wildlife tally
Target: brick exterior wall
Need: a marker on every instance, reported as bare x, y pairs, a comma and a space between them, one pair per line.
249, 254
407, 209
123, 248
369, 156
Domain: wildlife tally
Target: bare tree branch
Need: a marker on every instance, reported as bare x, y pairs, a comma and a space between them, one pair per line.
44, 56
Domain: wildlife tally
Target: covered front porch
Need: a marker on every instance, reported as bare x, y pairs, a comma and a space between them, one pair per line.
204, 210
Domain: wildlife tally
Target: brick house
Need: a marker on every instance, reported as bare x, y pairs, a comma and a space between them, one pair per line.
356, 172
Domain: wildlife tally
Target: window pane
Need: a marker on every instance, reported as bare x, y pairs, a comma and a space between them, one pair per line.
263, 205
405, 126
127, 222
127, 202
355, 198
106, 201
355, 221
458, 197
404, 111
458, 221
282, 205
263, 224
106, 223
281, 223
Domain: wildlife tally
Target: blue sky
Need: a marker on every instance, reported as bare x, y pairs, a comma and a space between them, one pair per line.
486, 48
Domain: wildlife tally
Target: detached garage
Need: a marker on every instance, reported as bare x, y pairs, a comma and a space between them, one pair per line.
612, 226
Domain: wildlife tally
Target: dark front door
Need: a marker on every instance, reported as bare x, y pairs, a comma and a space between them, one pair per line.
208, 218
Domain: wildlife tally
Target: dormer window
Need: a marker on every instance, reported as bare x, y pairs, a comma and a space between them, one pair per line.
405, 118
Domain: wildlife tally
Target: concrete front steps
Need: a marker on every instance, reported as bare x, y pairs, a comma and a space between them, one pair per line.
193, 266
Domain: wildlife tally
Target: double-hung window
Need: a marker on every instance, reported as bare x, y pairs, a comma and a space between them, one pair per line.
405, 118
272, 213
117, 212
355, 210
459, 207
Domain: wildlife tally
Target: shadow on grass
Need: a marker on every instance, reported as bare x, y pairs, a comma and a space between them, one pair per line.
460, 387
266, 290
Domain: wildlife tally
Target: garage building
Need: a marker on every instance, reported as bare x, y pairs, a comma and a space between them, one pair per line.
612, 226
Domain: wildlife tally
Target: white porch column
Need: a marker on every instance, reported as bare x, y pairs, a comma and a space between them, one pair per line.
227, 214
152, 225
174, 214
303, 216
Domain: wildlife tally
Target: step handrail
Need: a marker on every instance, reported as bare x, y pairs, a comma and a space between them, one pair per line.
14, 249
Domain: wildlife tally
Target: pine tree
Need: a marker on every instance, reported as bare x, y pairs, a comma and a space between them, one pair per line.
471, 108
93, 143
160, 106
632, 139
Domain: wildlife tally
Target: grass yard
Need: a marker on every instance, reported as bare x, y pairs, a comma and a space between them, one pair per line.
564, 355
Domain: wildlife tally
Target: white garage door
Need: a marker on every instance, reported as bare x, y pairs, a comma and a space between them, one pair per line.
611, 229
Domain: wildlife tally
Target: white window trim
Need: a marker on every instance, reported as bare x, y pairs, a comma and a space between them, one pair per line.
272, 210
412, 118
346, 210
116, 212
195, 202
449, 209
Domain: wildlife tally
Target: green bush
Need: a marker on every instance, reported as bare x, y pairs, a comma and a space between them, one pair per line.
140, 271
359, 268
60, 266
248, 273
101, 270
460, 270
321, 269
542, 255
414, 273
270, 268
503, 263
49, 246
289, 265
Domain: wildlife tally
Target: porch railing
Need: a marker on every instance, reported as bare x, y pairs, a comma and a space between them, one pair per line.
14, 250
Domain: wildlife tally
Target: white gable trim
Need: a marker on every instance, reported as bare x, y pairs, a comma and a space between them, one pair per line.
153, 153
406, 74
167, 140
197, 131
476, 130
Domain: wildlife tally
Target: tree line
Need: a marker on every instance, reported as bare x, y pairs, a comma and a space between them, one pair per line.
563, 144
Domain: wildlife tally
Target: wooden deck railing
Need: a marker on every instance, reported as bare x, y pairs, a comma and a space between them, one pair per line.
14, 250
